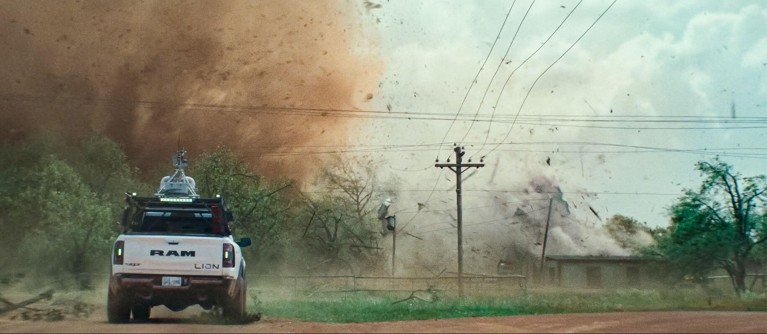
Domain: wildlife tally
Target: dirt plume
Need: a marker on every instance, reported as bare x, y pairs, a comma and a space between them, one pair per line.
148, 73
512, 232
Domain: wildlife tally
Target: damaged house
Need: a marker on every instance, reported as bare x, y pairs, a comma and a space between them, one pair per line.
601, 272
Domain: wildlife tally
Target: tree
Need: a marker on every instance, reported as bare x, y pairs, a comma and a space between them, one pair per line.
18, 164
75, 232
259, 209
718, 226
341, 221
58, 205
105, 169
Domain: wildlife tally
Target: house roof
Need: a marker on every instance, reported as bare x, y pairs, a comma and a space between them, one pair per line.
595, 258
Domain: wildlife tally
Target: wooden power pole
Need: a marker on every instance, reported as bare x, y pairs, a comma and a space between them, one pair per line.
545, 239
458, 167
393, 251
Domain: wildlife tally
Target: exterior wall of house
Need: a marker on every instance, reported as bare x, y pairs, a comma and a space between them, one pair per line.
614, 272
600, 274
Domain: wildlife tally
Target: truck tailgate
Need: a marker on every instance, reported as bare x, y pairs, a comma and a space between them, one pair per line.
178, 254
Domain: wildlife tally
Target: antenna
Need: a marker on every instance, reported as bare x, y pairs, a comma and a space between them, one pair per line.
179, 162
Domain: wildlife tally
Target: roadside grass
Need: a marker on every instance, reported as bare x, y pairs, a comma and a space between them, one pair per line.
362, 307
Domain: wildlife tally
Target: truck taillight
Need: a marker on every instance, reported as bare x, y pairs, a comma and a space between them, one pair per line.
119, 252
228, 258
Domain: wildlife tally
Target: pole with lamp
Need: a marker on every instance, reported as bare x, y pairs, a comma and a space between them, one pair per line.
390, 223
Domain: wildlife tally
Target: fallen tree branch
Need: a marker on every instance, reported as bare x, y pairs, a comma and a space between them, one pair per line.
7, 302
44, 295
413, 296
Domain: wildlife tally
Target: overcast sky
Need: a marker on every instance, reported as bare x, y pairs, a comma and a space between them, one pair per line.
617, 123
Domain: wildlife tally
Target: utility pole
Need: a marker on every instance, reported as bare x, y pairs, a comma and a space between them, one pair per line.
393, 251
458, 167
391, 224
545, 239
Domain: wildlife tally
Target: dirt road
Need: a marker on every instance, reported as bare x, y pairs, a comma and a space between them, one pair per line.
659, 322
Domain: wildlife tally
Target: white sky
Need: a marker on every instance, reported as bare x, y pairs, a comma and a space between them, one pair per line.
642, 63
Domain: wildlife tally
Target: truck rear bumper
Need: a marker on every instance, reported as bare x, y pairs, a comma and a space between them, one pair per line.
149, 286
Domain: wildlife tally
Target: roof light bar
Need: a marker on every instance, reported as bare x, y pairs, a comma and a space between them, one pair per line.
176, 199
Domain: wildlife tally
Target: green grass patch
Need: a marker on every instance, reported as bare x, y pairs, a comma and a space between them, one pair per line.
360, 307
370, 308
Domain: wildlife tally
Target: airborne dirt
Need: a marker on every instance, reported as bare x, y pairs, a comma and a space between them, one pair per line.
658, 322
247, 75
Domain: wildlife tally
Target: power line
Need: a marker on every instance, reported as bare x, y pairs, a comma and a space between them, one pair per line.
497, 69
465, 97
737, 152
426, 145
544, 120
495, 191
500, 93
426, 202
495, 41
470, 208
477, 207
476, 223
548, 68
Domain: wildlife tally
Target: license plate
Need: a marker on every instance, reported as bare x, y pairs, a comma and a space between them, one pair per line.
171, 281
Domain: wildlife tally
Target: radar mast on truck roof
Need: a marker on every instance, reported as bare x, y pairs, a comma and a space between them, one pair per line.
177, 184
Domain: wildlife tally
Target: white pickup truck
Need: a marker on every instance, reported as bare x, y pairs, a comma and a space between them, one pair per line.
176, 250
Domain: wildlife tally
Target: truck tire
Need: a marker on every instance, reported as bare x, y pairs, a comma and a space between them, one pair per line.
234, 308
118, 308
140, 311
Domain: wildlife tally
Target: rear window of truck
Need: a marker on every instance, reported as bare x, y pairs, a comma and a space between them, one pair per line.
179, 222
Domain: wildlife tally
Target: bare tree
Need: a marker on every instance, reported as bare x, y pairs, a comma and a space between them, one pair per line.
342, 223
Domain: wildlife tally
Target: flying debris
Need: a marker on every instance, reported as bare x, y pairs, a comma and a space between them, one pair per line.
519, 212
370, 5
594, 212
